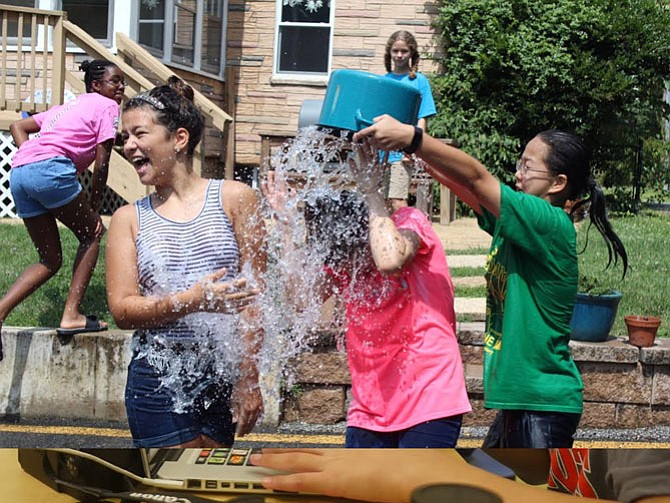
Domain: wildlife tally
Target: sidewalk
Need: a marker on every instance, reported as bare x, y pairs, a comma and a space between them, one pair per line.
462, 234
459, 238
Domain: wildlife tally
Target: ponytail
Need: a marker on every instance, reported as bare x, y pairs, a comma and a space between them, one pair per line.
598, 217
567, 155
412, 69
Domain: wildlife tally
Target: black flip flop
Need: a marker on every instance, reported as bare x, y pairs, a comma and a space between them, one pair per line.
92, 325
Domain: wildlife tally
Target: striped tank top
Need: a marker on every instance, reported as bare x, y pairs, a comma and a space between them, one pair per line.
172, 256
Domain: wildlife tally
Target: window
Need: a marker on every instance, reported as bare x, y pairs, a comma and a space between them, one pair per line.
151, 26
93, 16
20, 3
304, 35
212, 37
12, 23
183, 47
188, 33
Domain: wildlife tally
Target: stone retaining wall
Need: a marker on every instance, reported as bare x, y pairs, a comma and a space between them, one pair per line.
624, 386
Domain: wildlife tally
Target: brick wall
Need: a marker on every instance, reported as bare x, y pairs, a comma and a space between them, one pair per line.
360, 33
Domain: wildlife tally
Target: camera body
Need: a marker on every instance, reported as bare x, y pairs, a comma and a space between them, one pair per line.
55, 466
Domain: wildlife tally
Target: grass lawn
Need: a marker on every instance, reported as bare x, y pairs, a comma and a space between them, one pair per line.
45, 307
645, 288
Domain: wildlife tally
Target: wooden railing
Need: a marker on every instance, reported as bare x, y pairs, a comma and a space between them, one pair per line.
33, 60
28, 65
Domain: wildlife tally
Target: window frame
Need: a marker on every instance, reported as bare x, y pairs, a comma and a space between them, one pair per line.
168, 38
288, 77
107, 42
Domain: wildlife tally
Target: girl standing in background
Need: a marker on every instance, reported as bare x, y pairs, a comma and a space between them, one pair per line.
401, 60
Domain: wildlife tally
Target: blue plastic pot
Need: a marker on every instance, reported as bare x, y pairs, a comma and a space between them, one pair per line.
353, 98
593, 316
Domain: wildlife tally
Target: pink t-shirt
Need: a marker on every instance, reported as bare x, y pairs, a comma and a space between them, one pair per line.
402, 350
71, 130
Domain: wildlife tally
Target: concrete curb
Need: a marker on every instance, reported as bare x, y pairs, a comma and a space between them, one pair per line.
85, 379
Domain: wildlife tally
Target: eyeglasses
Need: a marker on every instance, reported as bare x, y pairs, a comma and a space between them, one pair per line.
523, 169
115, 82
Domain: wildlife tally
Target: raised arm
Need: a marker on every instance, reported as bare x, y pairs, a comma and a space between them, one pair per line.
242, 205
469, 179
282, 201
391, 248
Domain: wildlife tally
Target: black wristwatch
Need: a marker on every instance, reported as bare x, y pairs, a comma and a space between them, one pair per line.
416, 141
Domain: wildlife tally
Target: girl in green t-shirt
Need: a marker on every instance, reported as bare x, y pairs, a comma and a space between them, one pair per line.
529, 374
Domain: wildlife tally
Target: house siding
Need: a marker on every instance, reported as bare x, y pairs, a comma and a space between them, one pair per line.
261, 104
361, 29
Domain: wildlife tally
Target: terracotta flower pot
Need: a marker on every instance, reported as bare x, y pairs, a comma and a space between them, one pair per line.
642, 330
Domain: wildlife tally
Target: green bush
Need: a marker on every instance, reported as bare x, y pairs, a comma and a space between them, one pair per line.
516, 67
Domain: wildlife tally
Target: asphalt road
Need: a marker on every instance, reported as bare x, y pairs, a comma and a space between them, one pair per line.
76, 434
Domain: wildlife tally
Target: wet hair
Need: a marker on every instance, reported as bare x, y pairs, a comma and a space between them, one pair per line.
414, 57
94, 70
174, 109
567, 155
339, 225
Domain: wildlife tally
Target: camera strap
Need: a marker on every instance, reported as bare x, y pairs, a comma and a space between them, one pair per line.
161, 496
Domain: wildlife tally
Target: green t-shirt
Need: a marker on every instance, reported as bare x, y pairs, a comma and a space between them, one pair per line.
531, 279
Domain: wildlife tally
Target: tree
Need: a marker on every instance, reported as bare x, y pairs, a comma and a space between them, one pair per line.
515, 67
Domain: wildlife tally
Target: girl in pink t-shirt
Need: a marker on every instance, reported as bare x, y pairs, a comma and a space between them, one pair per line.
407, 382
45, 188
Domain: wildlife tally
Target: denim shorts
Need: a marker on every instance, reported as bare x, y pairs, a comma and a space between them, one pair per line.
41, 186
436, 434
532, 429
151, 409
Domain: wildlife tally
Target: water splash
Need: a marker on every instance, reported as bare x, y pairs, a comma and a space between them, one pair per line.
315, 165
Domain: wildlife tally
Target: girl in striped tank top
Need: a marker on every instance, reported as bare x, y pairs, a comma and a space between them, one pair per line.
182, 270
